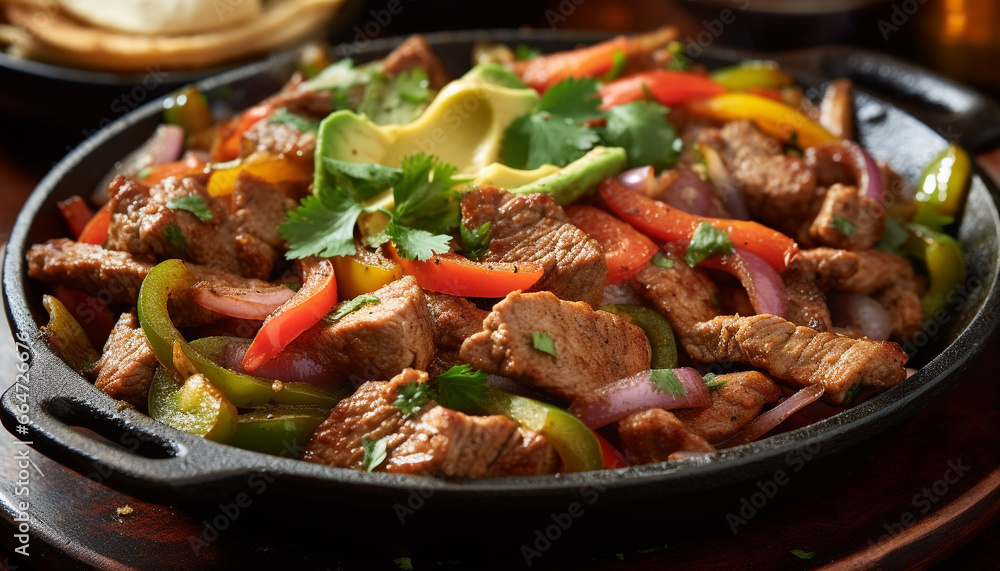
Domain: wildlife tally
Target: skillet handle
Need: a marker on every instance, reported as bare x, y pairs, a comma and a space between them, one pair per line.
958, 112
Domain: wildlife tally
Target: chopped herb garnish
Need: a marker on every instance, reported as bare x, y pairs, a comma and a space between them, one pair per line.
425, 197
193, 204
803, 554
322, 225
712, 383
284, 116
793, 147
404, 563
707, 241
396, 101
144, 173
620, 556
893, 236
667, 382
461, 387
375, 452
524, 51
176, 236
293, 287
641, 128
348, 307
661, 261
843, 225
678, 59
714, 299
618, 61
475, 242
362, 180
542, 342
413, 396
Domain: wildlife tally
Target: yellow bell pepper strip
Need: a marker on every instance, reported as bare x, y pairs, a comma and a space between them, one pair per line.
275, 170
315, 299
65, 335
364, 272
278, 430
576, 444
663, 354
751, 74
456, 275
942, 188
776, 119
194, 406
189, 109
242, 390
945, 262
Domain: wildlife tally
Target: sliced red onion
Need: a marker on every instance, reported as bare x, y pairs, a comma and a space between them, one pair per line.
641, 180
729, 191
288, 367
693, 195
637, 393
863, 313
764, 286
621, 294
767, 421
859, 163
245, 303
163, 147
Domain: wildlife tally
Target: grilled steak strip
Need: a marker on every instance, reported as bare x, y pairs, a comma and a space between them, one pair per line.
799, 355
453, 320
682, 294
734, 406
125, 369
653, 435
847, 220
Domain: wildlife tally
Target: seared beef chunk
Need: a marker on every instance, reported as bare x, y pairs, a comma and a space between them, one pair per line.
412, 54
779, 190
806, 301
684, 295
653, 435
533, 228
848, 220
905, 308
259, 208
436, 440
592, 348
378, 340
125, 369
799, 355
115, 277
279, 139
734, 406
453, 320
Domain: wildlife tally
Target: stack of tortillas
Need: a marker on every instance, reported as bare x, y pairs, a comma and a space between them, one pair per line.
130, 35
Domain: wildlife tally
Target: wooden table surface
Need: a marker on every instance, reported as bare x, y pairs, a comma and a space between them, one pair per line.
929, 496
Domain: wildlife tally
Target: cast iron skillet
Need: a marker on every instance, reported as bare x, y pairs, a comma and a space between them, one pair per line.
145, 458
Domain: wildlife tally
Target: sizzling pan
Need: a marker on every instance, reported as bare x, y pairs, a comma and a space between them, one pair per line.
133, 453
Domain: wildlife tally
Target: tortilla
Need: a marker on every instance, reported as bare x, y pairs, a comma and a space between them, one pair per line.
54, 35
163, 17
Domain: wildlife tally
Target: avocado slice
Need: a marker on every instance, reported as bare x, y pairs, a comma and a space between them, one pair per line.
571, 182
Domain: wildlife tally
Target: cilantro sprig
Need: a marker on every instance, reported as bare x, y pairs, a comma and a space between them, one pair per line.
193, 204
460, 387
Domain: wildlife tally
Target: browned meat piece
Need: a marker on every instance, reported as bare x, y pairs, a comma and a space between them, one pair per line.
377, 341
592, 348
734, 406
279, 139
125, 369
684, 295
829, 265
115, 277
903, 303
436, 440
806, 301
847, 220
313, 104
453, 320
415, 53
259, 208
877, 270
533, 228
799, 355
779, 190
653, 435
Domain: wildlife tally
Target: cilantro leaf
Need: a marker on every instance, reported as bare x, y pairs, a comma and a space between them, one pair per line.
665, 381
661, 261
524, 51
711, 383
572, 98
348, 307
395, 101
375, 452
707, 241
425, 197
461, 387
843, 225
803, 554
893, 237
144, 173
642, 129
475, 242
416, 244
176, 236
322, 225
193, 204
283, 115
541, 341
362, 180
679, 61
413, 396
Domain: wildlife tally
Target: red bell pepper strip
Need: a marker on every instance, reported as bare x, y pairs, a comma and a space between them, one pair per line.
188, 166
543, 72
669, 87
96, 231
665, 223
456, 275
228, 148
311, 303
626, 250
612, 457
76, 213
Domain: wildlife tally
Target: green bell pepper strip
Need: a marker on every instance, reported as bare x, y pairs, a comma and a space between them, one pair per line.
242, 390
576, 444
751, 74
280, 430
65, 335
945, 262
942, 188
194, 406
663, 348
189, 109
